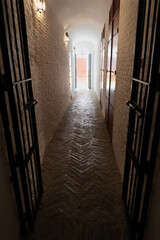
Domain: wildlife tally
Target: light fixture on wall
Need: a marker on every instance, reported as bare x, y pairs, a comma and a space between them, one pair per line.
41, 6
66, 38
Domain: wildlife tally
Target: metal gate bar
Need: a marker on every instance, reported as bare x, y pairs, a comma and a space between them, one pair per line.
137, 177
26, 123
28, 197
21, 17
140, 99
5, 120
149, 163
29, 144
14, 115
25, 164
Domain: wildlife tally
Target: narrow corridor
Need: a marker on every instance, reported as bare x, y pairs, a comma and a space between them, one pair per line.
82, 184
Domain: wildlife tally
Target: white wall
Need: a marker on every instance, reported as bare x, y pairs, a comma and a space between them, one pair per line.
125, 61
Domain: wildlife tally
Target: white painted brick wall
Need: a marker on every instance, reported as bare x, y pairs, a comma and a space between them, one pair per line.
49, 68
126, 47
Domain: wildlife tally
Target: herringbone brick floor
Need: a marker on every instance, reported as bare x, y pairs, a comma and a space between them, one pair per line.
82, 183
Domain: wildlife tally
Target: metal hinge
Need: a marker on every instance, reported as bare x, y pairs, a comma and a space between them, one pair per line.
30, 104
133, 106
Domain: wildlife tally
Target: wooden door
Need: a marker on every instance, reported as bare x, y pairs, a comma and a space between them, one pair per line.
102, 65
112, 63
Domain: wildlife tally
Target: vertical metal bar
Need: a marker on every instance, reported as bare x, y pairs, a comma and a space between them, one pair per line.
27, 91
127, 159
131, 183
28, 97
134, 94
146, 40
144, 61
4, 115
20, 159
22, 91
23, 99
12, 58
155, 78
14, 114
148, 74
24, 33
144, 100
151, 172
145, 143
139, 40
145, 97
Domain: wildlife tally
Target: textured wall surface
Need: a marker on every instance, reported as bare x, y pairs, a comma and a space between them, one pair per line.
126, 46
49, 68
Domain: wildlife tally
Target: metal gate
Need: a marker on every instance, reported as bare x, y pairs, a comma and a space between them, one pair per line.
17, 111
144, 118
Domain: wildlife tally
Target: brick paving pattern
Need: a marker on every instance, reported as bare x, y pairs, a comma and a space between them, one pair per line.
82, 183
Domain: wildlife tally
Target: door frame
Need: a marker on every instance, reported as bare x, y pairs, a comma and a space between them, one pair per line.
113, 14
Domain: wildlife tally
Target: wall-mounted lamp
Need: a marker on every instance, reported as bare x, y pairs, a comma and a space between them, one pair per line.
41, 6
66, 37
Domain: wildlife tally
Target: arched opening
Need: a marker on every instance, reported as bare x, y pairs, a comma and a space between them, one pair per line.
83, 65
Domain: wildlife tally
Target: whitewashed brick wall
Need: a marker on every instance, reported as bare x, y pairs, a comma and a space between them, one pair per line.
126, 47
49, 68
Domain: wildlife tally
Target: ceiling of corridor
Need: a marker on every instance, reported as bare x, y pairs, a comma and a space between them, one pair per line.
83, 19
